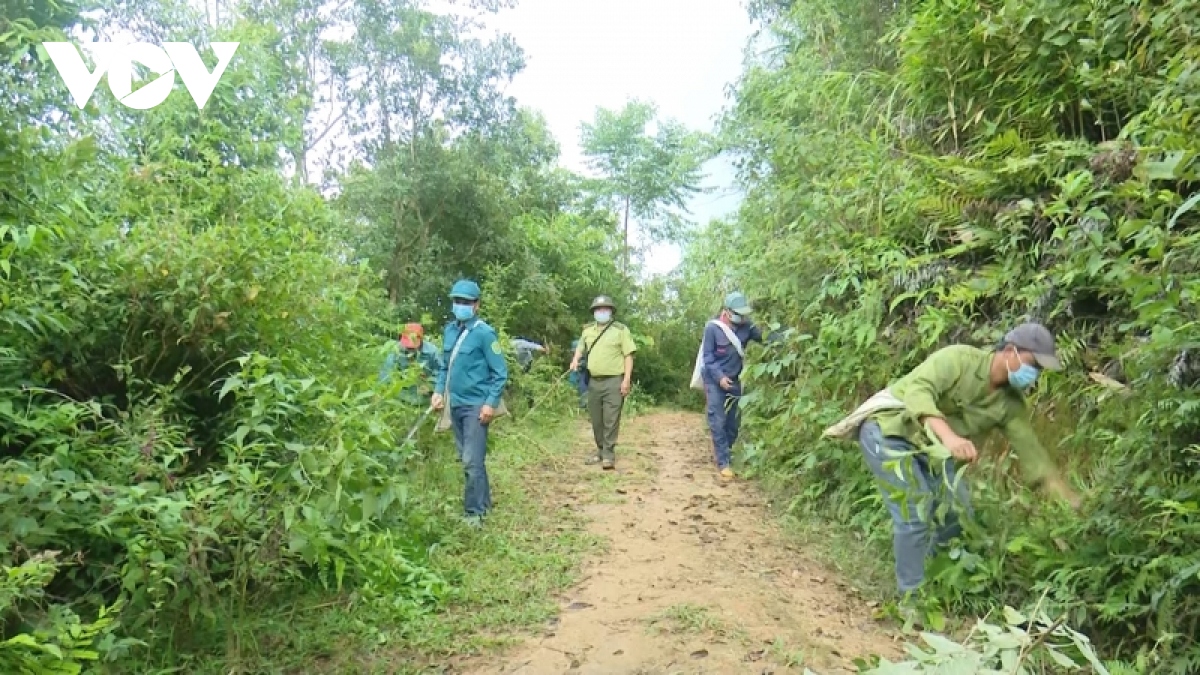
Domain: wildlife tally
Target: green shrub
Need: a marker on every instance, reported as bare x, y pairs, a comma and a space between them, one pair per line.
932, 173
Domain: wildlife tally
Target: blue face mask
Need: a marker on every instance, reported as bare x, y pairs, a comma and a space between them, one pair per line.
602, 315
464, 312
737, 319
1022, 378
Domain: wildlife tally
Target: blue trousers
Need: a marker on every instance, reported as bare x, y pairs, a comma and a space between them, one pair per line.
580, 386
723, 420
923, 505
470, 437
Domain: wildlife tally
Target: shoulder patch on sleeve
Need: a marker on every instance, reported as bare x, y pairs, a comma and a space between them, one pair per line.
495, 346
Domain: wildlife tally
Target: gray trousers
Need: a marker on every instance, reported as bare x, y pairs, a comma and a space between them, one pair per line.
917, 501
605, 403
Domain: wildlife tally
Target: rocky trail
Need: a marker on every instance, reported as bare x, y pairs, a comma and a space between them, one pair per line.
696, 577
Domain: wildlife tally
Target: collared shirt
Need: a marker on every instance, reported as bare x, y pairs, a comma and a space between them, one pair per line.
479, 369
721, 358
606, 357
954, 383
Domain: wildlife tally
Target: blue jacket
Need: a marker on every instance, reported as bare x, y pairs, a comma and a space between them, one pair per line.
479, 369
720, 357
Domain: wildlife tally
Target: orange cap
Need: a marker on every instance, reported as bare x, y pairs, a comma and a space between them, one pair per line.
411, 330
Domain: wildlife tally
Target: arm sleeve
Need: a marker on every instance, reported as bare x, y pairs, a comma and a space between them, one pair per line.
497, 369
755, 335
1035, 462
928, 381
710, 356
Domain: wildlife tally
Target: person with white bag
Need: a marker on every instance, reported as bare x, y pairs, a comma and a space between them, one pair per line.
718, 371
468, 392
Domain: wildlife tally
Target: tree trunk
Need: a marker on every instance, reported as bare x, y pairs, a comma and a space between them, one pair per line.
625, 263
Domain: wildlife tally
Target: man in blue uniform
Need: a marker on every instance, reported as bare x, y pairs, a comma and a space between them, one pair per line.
722, 358
470, 382
413, 345
577, 380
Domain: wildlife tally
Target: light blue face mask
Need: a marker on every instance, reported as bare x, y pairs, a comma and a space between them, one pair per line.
464, 312
737, 319
602, 315
1022, 378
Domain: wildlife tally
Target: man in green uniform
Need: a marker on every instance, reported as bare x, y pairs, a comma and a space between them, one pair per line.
957, 394
413, 345
471, 381
605, 354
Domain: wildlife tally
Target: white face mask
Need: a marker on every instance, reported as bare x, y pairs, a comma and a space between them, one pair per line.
602, 315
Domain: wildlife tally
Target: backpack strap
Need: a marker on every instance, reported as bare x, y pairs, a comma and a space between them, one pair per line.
737, 344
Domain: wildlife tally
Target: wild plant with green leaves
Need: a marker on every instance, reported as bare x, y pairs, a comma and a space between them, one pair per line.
919, 174
190, 421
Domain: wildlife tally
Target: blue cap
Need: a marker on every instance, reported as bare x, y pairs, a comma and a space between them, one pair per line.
465, 288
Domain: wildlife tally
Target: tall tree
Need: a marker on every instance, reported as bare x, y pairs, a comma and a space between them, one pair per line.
647, 173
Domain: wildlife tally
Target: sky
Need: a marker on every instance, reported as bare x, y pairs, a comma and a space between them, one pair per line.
584, 54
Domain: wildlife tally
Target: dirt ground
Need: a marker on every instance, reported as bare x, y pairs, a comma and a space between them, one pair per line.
696, 578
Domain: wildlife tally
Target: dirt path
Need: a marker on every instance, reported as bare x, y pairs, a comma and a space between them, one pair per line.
695, 579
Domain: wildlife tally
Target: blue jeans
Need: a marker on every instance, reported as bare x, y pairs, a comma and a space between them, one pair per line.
723, 419
919, 507
581, 387
470, 437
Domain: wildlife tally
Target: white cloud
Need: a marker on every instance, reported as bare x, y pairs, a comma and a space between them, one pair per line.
680, 54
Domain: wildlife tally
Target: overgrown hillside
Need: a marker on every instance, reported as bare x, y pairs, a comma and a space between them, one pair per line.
201, 471
925, 173
196, 305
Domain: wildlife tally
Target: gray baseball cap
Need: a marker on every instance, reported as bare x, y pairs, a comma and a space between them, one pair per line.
1035, 338
737, 303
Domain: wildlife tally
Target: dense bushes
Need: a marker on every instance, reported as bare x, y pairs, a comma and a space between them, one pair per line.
191, 426
927, 173
189, 419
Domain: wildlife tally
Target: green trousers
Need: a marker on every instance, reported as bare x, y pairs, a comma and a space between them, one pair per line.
604, 404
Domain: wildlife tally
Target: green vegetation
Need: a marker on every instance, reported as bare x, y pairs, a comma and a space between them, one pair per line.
1019, 644
197, 455
925, 173
199, 471
497, 582
648, 176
